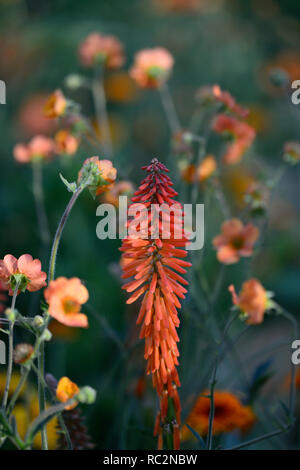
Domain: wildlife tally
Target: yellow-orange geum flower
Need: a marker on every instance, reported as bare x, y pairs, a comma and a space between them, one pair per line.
236, 240
56, 104
206, 168
65, 297
252, 300
152, 67
107, 173
66, 389
230, 414
66, 143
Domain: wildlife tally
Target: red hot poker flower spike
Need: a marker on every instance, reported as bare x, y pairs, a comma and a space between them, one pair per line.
156, 265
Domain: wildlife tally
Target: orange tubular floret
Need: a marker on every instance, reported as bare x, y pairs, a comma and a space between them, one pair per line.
152, 267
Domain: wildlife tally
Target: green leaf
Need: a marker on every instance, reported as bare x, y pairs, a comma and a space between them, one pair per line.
70, 186
197, 436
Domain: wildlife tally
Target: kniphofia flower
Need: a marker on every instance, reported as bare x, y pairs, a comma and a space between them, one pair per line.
152, 67
230, 414
56, 105
65, 298
236, 240
38, 148
98, 48
25, 271
252, 300
241, 136
155, 266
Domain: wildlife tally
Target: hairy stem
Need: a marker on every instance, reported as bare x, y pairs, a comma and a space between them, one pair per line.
101, 110
169, 108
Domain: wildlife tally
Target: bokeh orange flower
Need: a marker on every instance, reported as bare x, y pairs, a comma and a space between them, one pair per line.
206, 168
26, 271
236, 240
39, 147
3, 296
252, 300
230, 414
66, 142
291, 152
31, 117
122, 188
97, 48
65, 298
66, 390
152, 67
56, 105
240, 133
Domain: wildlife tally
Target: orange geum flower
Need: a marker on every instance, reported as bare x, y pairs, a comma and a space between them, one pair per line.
253, 300
236, 240
25, 271
56, 105
66, 390
100, 175
206, 168
66, 143
230, 414
122, 188
98, 48
152, 67
241, 136
40, 147
65, 297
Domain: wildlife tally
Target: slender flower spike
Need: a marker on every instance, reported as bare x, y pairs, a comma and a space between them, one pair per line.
66, 389
25, 272
65, 297
253, 301
155, 266
152, 67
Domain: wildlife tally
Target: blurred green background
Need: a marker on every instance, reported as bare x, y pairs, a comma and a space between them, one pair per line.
232, 43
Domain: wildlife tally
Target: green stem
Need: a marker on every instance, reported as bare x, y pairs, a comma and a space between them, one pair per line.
37, 185
260, 438
169, 108
17, 391
10, 350
101, 109
59, 231
41, 392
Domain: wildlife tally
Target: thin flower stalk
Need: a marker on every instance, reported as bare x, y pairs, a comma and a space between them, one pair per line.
37, 186
156, 266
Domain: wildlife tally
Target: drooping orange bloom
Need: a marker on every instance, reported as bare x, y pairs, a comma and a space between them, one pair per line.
105, 176
98, 48
240, 133
56, 105
66, 389
291, 152
122, 188
252, 300
206, 168
65, 298
25, 271
39, 147
152, 67
230, 414
66, 143
236, 240
156, 264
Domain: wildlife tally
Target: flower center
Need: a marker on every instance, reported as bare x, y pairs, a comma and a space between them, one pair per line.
71, 306
238, 243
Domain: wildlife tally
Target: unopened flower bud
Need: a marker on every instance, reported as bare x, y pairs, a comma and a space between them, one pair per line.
38, 321
87, 395
10, 314
46, 335
74, 81
22, 353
